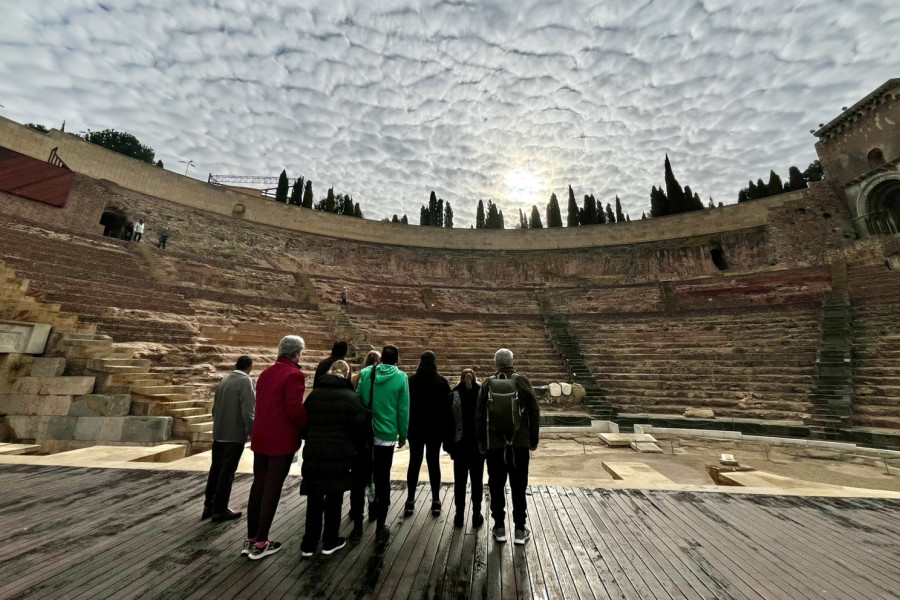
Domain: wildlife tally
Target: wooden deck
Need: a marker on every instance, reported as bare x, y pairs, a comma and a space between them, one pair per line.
79, 533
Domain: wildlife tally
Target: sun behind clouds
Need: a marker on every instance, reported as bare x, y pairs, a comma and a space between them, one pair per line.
523, 188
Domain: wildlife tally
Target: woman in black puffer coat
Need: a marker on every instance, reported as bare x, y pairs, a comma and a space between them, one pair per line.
468, 461
429, 421
335, 431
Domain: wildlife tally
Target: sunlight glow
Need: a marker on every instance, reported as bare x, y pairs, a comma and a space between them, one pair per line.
522, 188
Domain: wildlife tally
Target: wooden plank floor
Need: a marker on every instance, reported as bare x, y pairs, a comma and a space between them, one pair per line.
79, 533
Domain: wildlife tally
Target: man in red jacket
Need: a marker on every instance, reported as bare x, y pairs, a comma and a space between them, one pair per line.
280, 420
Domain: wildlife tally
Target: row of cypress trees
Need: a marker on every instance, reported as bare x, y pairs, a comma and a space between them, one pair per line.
302, 195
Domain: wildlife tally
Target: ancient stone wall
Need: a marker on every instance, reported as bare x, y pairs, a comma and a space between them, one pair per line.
844, 145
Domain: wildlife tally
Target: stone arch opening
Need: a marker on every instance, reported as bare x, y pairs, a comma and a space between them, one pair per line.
883, 207
875, 157
718, 257
114, 221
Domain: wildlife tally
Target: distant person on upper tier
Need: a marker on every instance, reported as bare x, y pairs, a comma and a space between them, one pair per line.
430, 420
128, 232
163, 238
338, 352
508, 423
232, 412
138, 230
362, 464
468, 461
277, 430
344, 297
384, 390
333, 439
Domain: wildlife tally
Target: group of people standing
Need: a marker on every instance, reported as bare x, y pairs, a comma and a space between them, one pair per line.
350, 426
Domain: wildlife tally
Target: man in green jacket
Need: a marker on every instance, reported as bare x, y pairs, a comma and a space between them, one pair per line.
388, 399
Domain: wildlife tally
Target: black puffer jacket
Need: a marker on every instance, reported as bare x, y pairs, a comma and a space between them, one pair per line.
430, 416
464, 422
333, 437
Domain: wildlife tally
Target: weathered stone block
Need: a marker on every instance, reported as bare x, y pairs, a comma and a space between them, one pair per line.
23, 338
147, 429
699, 413
27, 404
100, 405
43, 427
48, 367
54, 386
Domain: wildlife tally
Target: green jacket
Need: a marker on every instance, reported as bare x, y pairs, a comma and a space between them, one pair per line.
390, 409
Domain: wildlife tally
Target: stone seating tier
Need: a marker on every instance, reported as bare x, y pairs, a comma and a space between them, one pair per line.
598, 299
751, 365
771, 288
876, 365
873, 284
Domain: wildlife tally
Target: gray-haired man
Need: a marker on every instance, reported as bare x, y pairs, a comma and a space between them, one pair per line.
507, 422
232, 411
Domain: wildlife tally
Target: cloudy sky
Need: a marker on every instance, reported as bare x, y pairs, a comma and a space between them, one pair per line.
510, 100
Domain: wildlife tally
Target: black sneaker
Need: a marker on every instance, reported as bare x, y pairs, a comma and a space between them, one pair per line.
245, 549
499, 533
409, 508
435, 507
207, 513
522, 535
460, 519
257, 553
382, 534
477, 519
356, 534
341, 542
306, 553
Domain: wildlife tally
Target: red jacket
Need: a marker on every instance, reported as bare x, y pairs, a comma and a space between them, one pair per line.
280, 414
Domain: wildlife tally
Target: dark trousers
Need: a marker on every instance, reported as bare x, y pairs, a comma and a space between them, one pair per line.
225, 459
269, 473
137, 237
383, 458
431, 449
316, 505
468, 466
361, 477
512, 462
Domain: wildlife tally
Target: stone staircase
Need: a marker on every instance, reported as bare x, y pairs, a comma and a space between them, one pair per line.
345, 329
669, 297
566, 343
161, 269
832, 391
17, 303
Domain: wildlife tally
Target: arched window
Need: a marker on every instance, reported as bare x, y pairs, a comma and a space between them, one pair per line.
875, 158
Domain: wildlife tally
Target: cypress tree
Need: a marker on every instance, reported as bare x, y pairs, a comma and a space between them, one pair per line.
659, 204
620, 216
479, 216
588, 213
774, 187
627, 218
330, 205
554, 216
502, 225
523, 224
796, 181
494, 218
308, 199
535, 221
297, 192
448, 215
404, 220
752, 192
610, 216
696, 202
395, 219
438, 219
281, 192
572, 216
424, 219
674, 191
711, 203
643, 216
357, 211
761, 188
432, 210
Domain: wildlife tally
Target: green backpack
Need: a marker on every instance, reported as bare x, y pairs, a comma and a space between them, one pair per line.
504, 412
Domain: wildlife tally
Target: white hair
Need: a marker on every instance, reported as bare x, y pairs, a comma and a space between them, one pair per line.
503, 358
290, 345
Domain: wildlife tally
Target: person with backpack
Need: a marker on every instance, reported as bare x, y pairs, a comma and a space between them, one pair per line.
361, 472
468, 462
384, 390
429, 420
508, 424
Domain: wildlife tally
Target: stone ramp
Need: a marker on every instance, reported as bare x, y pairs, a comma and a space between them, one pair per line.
763, 480
95, 456
636, 474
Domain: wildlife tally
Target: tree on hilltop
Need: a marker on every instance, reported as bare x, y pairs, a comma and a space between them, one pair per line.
494, 219
572, 218
535, 221
121, 142
395, 219
404, 220
610, 216
308, 199
329, 200
523, 222
620, 216
37, 127
554, 216
479, 216
774, 186
281, 192
588, 214
814, 171
674, 191
448, 215
297, 193
159, 164
437, 219
796, 180
659, 203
